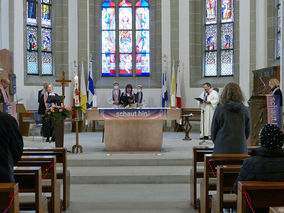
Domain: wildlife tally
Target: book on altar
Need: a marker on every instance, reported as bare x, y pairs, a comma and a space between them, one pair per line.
199, 99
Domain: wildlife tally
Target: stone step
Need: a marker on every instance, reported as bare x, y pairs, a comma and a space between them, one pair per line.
134, 198
130, 175
128, 162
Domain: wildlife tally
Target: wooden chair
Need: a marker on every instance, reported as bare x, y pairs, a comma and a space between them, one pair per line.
61, 158
50, 183
210, 163
224, 198
9, 195
30, 181
261, 194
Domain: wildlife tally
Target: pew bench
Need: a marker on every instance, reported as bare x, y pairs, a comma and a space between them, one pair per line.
7, 191
49, 182
30, 181
224, 197
262, 194
62, 174
211, 161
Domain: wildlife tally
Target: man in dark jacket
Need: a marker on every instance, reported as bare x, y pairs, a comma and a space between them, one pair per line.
11, 147
266, 162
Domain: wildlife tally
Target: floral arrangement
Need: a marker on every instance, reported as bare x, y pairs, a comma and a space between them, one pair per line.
57, 113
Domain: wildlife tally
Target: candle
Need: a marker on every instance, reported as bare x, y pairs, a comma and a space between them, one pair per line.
76, 87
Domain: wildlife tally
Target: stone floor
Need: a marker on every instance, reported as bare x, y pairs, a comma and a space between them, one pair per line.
134, 182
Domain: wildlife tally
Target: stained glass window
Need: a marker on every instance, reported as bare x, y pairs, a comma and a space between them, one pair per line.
133, 43
142, 38
218, 57
278, 30
39, 37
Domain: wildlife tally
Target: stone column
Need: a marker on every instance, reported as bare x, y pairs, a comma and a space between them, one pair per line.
261, 34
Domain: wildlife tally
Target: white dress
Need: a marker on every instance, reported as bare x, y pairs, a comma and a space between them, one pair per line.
208, 110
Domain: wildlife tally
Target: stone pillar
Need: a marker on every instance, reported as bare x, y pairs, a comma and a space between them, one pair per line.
261, 34
245, 47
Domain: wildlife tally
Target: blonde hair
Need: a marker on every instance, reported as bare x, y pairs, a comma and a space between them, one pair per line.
274, 82
232, 92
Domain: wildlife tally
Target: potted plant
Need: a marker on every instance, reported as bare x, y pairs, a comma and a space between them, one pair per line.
57, 115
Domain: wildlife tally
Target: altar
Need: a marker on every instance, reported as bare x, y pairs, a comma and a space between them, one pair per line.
133, 129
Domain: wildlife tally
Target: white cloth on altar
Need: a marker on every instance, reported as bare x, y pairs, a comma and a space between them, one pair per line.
208, 111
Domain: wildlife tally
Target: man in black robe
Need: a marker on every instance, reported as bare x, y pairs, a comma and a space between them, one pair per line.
11, 147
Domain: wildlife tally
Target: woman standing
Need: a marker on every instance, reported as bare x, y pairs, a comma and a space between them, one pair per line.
275, 90
231, 122
127, 97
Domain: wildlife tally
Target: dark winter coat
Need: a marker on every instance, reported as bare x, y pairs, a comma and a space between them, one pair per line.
230, 128
11, 146
277, 91
263, 165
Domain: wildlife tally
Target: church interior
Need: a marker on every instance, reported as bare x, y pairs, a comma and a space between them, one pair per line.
148, 157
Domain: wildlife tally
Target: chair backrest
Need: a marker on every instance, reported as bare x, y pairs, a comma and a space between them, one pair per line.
259, 194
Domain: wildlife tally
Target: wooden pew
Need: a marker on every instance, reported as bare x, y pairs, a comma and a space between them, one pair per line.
50, 183
262, 194
224, 198
210, 163
198, 157
30, 180
9, 194
61, 158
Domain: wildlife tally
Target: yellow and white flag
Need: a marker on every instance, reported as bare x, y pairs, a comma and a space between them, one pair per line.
83, 91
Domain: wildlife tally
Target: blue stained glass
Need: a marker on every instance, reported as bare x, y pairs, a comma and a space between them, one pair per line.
211, 37
46, 40
142, 41
32, 41
108, 18
227, 11
142, 3
125, 65
125, 41
227, 62
142, 64
108, 65
46, 15
211, 11
31, 13
32, 62
142, 18
108, 41
125, 18
46, 64
108, 3
227, 36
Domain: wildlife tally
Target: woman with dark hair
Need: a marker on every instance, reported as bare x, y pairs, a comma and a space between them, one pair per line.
127, 97
231, 123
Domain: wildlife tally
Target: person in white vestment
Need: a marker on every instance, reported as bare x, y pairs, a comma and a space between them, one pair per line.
210, 101
115, 94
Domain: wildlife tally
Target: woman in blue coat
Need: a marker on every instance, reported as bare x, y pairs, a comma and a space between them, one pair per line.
231, 122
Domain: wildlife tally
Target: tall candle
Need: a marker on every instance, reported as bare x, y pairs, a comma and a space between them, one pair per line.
173, 100
76, 87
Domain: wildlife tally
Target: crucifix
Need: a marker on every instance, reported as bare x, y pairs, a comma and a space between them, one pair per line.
63, 81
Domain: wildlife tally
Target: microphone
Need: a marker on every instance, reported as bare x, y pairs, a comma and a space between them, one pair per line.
262, 81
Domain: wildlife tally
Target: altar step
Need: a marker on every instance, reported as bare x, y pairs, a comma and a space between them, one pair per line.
130, 175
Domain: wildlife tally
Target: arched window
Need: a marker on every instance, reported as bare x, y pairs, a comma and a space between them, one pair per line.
133, 55
218, 55
278, 30
39, 37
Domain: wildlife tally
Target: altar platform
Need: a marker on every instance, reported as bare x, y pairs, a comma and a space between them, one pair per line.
133, 129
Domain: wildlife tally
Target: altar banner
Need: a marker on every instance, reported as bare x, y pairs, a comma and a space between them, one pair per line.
273, 110
132, 114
